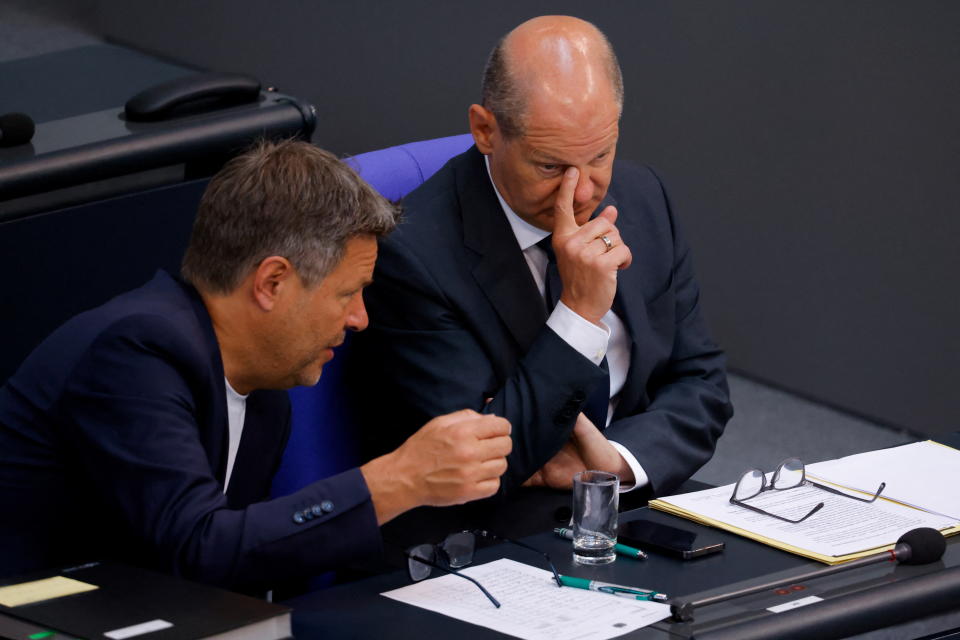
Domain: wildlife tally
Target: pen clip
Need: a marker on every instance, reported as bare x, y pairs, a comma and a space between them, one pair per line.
615, 590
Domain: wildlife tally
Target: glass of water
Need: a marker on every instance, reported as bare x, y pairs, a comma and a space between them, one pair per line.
596, 496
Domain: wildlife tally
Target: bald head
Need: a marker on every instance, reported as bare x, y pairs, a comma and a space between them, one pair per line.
561, 61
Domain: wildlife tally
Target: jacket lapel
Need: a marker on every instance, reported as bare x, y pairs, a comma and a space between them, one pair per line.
500, 270
630, 305
215, 437
257, 444
629, 301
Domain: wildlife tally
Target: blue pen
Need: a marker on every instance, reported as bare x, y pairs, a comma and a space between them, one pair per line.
622, 549
633, 593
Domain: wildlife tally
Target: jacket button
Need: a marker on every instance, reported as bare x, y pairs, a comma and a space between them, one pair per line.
327, 506
298, 518
316, 510
307, 514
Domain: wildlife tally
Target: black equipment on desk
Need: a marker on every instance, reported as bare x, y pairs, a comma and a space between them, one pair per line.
119, 601
199, 92
169, 134
917, 546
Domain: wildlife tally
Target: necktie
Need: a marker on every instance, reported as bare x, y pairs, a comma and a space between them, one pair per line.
598, 402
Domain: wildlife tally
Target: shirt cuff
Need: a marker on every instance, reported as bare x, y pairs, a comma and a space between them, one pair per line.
640, 476
588, 339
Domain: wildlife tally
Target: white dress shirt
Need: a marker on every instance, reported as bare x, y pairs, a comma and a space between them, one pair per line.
591, 341
236, 413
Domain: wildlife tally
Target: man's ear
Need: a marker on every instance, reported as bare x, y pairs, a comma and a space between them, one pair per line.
483, 126
272, 277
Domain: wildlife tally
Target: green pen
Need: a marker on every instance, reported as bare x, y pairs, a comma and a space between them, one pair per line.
633, 593
622, 549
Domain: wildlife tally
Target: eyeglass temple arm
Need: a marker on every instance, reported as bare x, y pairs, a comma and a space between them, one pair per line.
556, 576
456, 573
493, 536
740, 503
883, 485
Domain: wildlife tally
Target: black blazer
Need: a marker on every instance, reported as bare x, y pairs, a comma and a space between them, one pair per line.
456, 318
113, 437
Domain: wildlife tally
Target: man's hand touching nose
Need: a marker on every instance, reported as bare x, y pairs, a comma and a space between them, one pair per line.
588, 257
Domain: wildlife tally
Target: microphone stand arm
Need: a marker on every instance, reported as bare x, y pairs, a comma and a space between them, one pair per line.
683, 611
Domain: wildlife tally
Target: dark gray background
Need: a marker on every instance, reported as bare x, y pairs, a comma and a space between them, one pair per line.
811, 149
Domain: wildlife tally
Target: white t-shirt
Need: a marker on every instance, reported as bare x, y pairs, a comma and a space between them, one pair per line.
236, 412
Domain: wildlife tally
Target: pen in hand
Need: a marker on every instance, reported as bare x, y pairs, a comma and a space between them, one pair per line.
621, 549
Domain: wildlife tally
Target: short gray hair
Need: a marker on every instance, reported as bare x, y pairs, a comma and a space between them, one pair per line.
289, 199
500, 93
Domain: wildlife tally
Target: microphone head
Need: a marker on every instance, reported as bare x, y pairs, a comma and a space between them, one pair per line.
926, 545
15, 128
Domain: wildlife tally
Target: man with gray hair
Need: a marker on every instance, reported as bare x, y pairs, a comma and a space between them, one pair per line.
148, 430
537, 278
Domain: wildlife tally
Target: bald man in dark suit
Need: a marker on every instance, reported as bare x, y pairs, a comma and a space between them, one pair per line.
538, 278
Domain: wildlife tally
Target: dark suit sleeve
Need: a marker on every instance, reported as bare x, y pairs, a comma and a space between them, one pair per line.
129, 413
424, 358
673, 429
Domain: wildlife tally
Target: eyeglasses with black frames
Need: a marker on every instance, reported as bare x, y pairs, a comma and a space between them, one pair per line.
790, 474
456, 552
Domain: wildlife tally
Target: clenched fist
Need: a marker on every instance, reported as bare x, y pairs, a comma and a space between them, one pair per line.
452, 459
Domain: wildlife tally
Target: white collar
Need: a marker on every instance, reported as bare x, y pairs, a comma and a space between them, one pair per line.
233, 392
527, 235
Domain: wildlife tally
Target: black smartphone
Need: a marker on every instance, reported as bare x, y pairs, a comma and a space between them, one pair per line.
667, 540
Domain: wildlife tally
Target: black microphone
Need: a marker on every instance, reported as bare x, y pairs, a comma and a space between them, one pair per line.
917, 546
920, 546
15, 128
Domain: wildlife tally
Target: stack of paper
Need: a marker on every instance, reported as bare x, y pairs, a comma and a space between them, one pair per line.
924, 475
532, 607
919, 482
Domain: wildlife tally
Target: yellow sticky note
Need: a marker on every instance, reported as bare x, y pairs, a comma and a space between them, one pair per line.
39, 590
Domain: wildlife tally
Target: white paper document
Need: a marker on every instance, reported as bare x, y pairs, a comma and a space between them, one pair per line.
841, 527
532, 605
922, 474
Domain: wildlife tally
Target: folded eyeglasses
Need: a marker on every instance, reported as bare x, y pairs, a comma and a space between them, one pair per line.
789, 475
456, 552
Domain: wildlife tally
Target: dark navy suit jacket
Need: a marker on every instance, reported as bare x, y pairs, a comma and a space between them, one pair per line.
113, 438
456, 318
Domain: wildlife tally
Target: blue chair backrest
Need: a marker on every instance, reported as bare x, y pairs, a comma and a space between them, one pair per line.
322, 440
396, 171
